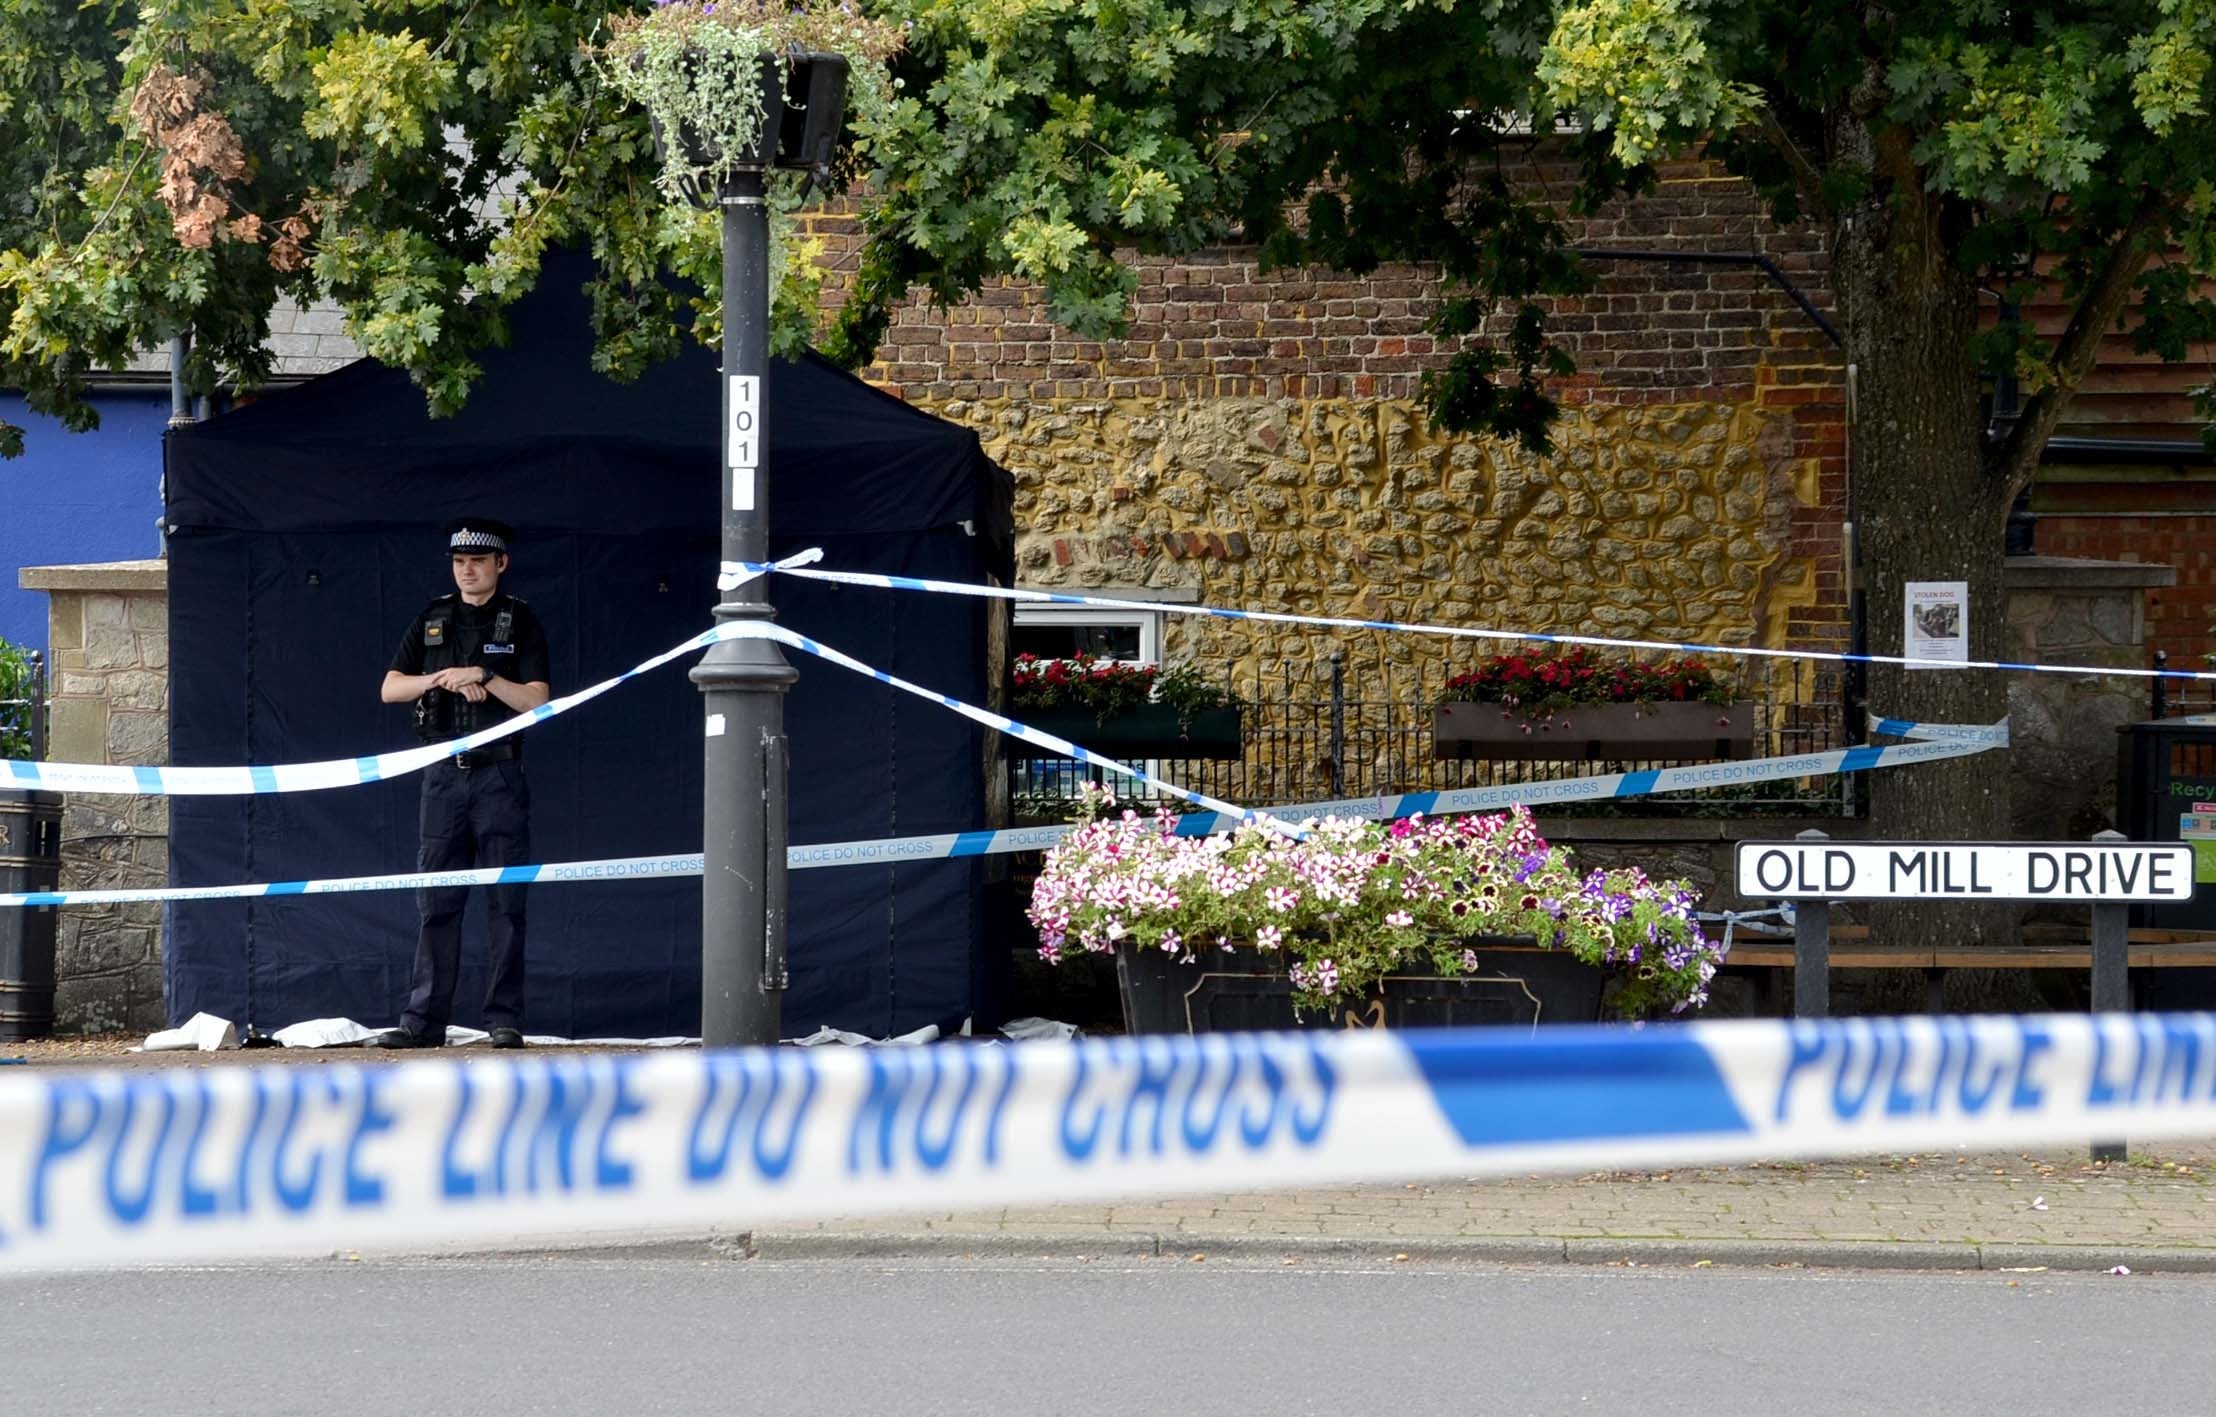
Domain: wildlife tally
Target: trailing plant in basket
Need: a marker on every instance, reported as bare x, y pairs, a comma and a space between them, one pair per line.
1109, 687
692, 65
1351, 901
1546, 683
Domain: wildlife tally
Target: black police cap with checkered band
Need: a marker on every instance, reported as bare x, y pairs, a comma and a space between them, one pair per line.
476, 534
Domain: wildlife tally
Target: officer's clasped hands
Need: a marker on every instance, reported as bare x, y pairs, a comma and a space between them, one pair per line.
464, 679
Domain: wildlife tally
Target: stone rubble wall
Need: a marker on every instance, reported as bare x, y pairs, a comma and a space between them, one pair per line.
1671, 521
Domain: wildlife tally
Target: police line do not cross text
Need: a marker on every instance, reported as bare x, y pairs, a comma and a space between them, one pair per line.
1948, 870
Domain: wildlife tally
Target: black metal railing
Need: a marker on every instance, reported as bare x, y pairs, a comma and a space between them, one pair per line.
24, 716
2179, 698
1324, 729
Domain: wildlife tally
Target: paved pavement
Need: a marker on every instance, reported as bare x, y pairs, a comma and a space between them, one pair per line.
1099, 1338
2055, 1209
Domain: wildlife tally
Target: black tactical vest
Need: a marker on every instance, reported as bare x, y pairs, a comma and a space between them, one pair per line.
447, 644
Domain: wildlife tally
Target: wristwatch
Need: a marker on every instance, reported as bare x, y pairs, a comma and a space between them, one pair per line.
486, 681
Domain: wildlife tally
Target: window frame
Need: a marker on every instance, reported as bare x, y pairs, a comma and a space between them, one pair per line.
1148, 623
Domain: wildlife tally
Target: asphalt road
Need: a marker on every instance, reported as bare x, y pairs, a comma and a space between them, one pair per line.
1167, 1336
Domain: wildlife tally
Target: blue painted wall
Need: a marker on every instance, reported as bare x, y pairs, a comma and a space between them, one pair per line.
76, 497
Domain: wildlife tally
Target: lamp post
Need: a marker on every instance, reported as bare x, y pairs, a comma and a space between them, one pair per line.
743, 681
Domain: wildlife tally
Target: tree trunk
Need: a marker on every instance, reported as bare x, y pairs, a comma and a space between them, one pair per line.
1927, 506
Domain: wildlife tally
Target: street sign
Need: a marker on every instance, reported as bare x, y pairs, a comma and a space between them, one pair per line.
1966, 870
743, 439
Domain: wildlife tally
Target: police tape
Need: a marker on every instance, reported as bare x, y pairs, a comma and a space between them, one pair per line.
1992, 735
347, 772
143, 1166
630, 868
161, 781
737, 572
1937, 741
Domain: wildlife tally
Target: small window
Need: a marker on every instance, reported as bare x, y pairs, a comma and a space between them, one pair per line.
1044, 788
1065, 631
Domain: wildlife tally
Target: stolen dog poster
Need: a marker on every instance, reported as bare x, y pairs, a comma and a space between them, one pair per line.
1938, 621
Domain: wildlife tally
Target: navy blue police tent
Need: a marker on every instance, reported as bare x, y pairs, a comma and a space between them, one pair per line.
303, 539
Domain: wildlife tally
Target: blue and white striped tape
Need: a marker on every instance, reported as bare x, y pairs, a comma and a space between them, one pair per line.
630, 868
159, 1166
157, 781
1936, 742
349, 772
1991, 735
736, 572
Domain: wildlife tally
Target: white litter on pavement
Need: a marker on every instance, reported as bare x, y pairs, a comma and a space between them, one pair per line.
208, 1033
345, 1033
204, 1032
1024, 1030
929, 1033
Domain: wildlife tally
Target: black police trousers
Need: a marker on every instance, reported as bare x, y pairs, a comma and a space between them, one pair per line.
473, 816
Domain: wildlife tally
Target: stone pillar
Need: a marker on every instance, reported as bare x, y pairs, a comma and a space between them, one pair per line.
2062, 610
108, 640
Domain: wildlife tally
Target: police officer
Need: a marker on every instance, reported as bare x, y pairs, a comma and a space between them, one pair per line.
474, 658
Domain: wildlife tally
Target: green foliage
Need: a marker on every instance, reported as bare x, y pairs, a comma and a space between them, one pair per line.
182, 166
377, 91
1184, 688
178, 166
1640, 70
2170, 64
1998, 118
15, 706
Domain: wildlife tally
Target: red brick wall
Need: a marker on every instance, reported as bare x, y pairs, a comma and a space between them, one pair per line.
2179, 618
1213, 324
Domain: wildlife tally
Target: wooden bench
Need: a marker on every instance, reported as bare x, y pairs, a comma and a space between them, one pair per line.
2043, 947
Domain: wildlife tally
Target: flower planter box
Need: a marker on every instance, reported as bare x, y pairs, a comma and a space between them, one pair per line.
1615, 732
1244, 990
1149, 731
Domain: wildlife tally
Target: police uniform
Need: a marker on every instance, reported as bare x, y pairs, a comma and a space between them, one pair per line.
475, 807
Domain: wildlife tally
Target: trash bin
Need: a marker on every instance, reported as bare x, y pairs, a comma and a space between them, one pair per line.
2166, 791
30, 860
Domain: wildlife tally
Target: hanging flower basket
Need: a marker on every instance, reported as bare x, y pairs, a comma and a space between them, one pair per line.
732, 84
1575, 705
696, 151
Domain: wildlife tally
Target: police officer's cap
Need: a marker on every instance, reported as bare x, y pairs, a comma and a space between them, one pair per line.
471, 535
